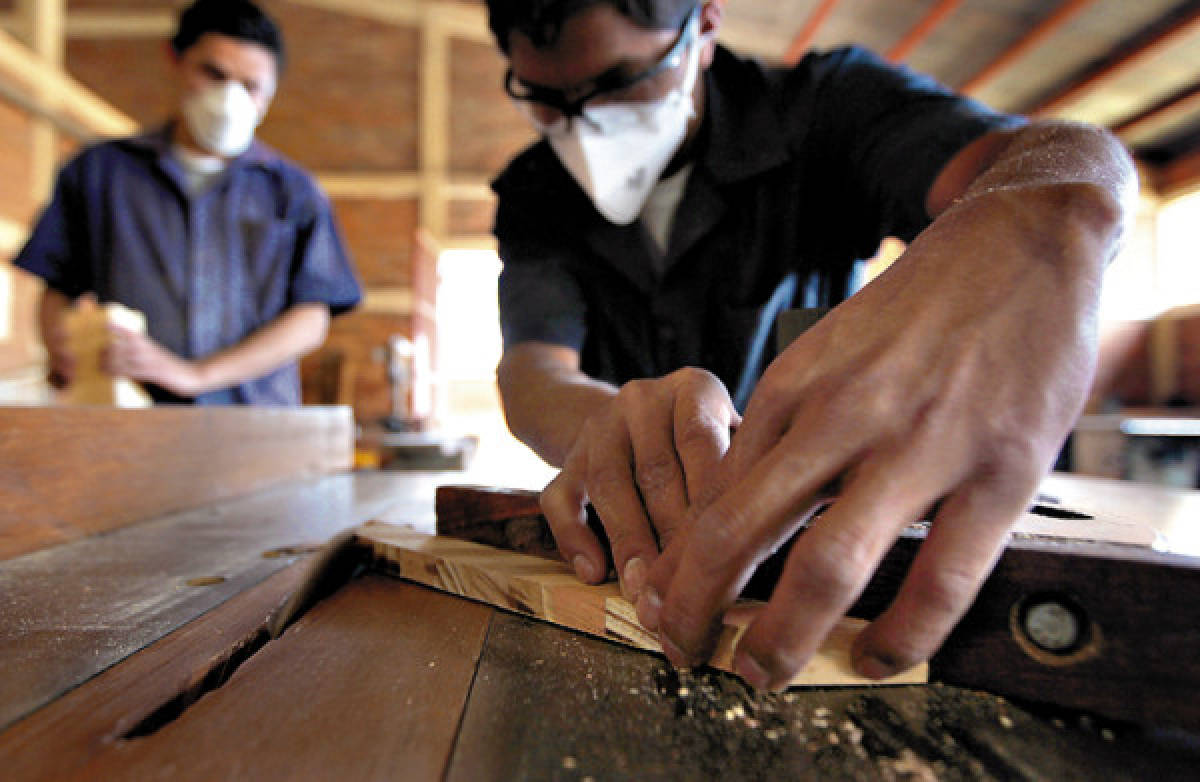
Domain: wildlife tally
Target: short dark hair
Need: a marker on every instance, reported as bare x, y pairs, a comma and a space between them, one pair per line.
239, 19
542, 20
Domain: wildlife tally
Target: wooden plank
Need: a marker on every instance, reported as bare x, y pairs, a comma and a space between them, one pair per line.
370, 684
69, 473
87, 327
549, 590
59, 739
554, 704
70, 612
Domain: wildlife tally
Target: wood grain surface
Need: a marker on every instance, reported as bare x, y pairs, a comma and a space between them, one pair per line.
66, 473
557, 705
58, 741
368, 685
550, 591
69, 612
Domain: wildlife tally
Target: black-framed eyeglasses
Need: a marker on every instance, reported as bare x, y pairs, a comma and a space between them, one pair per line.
608, 82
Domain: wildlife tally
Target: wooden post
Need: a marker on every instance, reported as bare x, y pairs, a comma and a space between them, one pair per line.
45, 22
435, 125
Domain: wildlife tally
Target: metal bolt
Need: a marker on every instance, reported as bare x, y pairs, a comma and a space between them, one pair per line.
1053, 626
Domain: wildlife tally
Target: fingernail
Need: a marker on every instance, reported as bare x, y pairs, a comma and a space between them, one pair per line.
584, 568
649, 607
752, 671
634, 579
874, 667
675, 654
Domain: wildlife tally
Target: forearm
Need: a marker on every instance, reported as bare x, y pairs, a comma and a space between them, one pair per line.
547, 398
297, 331
1060, 180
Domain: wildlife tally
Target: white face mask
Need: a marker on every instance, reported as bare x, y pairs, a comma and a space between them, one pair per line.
618, 151
222, 118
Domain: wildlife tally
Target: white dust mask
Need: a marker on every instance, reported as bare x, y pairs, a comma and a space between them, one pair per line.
618, 151
222, 118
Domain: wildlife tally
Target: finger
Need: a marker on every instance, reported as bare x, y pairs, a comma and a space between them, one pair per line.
564, 504
610, 484
703, 426
829, 566
960, 551
657, 469
740, 530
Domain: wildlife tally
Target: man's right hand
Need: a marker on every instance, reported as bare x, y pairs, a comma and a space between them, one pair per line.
642, 460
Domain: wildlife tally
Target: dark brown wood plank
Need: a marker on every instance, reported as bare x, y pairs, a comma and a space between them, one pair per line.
549, 703
66, 473
70, 612
59, 739
370, 684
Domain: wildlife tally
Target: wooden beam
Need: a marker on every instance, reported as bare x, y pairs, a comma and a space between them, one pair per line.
1035, 37
808, 33
1179, 177
457, 19
402, 184
55, 93
1182, 104
434, 126
106, 24
1135, 54
923, 29
380, 185
44, 25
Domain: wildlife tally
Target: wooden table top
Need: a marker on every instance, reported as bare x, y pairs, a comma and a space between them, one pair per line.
123, 671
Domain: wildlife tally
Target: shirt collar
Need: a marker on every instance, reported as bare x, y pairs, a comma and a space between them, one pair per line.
158, 142
745, 135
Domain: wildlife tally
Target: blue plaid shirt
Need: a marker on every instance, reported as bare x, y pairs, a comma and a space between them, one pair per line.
207, 269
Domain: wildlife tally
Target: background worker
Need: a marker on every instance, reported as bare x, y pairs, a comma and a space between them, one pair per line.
230, 251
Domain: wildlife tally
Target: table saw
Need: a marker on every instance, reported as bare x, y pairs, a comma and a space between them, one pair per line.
210, 594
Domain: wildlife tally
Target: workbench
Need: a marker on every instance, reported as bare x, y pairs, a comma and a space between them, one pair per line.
136, 641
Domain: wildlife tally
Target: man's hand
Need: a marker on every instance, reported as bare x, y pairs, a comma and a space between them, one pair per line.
60, 359
948, 383
643, 460
139, 357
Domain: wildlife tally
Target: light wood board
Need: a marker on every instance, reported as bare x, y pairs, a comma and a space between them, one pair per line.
550, 591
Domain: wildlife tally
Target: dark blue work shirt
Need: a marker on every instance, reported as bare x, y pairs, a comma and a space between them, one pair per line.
799, 173
206, 269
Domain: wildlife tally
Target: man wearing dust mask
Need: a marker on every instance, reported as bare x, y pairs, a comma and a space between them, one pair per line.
229, 250
679, 198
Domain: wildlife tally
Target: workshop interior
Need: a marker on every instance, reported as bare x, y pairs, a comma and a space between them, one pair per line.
359, 582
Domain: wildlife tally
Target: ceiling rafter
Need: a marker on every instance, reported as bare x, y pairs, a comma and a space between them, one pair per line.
1136, 53
1183, 103
1040, 33
808, 33
1180, 176
932, 20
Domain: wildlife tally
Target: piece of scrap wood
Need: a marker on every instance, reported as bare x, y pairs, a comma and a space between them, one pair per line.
549, 590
